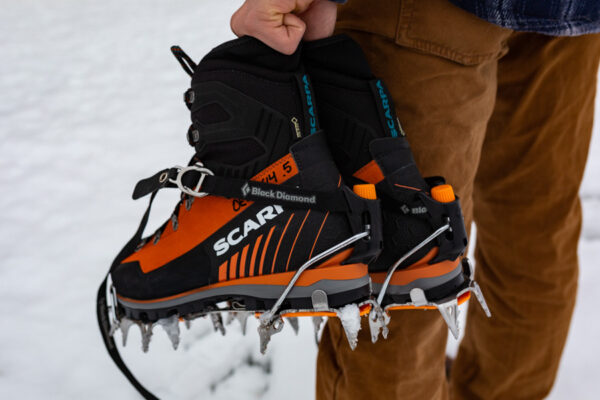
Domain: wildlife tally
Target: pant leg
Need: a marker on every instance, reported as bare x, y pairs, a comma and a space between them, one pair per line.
439, 64
528, 217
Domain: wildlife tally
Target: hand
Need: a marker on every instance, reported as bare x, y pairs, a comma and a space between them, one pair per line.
282, 24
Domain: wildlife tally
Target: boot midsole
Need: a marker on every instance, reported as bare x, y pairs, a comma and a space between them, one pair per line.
332, 280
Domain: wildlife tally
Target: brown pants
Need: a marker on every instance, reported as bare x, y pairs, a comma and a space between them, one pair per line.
506, 117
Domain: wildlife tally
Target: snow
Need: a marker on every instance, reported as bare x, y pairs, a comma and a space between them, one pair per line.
349, 316
91, 101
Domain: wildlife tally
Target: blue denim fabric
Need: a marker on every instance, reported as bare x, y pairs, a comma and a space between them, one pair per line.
550, 17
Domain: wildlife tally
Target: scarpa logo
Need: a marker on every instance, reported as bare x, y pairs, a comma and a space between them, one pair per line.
311, 108
385, 103
238, 234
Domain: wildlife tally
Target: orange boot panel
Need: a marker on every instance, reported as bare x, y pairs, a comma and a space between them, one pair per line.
206, 216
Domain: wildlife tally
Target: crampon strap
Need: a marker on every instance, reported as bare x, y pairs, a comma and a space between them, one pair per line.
102, 308
109, 342
332, 201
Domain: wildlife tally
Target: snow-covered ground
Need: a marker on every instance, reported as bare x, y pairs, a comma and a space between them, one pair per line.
90, 101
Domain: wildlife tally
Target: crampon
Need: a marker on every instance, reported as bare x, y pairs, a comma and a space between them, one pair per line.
422, 264
264, 226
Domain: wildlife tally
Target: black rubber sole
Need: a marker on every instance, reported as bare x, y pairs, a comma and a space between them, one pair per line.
248, 303
435, 294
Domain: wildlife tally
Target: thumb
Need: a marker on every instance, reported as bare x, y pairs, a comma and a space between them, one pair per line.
280, 30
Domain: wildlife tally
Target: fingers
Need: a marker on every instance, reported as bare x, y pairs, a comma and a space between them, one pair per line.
272, 22
320, 19
286, 37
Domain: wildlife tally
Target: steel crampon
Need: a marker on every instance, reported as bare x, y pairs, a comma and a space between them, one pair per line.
271, 321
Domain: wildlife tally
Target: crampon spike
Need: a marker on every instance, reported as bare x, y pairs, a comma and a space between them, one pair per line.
146, 331
242, 317
349, 316
317, 321
230, 317
125, 324
171, 327
217, 322
474, 287
294, 324
449, 311
378, 321
266, 329
479, 295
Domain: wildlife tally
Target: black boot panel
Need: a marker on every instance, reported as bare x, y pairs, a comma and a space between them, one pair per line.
338, 53
248, 103
348, 138
253, 137
187, 272
251, 51
318, 170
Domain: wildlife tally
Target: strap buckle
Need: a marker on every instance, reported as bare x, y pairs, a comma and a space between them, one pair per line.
198, 167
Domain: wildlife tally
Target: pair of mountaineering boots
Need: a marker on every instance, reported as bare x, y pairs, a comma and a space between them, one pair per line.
266, 225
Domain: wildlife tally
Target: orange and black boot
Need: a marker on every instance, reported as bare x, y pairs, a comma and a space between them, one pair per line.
264, 225
422, 264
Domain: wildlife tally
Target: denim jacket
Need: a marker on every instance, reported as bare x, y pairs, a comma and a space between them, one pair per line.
550, 17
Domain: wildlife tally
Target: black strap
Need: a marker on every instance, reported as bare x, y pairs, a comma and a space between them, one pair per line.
332, 201
137, 236
102, 307
156, 182
109, 342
